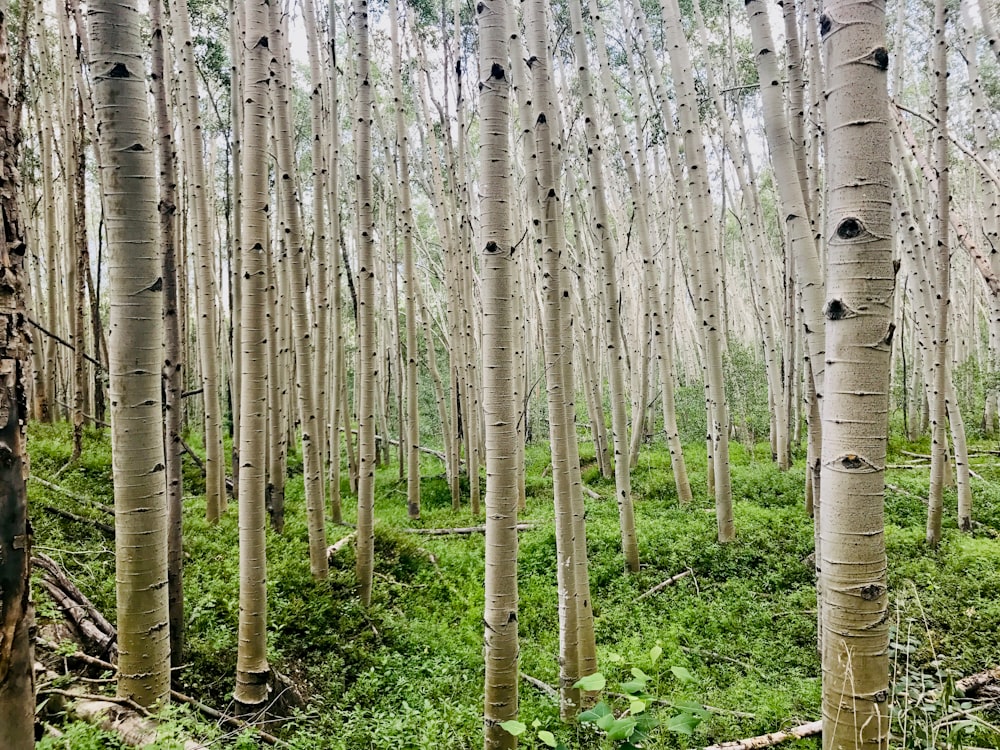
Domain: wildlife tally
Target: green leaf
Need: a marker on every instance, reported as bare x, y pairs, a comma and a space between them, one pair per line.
536, 723
683, 723
682, 674
639, 674
595, 713
636, 707
515, 728
547, 738
655, 653
692, 707
621, 729
606, 721
634, 686
612, 657
592, 682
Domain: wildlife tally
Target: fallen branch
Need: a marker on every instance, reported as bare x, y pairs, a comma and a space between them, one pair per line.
591, 493
423, 449
72, 495
201, 464
106, 528
462, 530
923, 456
334, 548
660, 586
89, 622
175, 695
124, 717
722, 657
543, 686
774, 738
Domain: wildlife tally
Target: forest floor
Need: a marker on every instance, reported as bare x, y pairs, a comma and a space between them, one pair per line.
736, 635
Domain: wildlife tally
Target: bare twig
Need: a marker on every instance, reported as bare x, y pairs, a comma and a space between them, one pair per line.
660, 586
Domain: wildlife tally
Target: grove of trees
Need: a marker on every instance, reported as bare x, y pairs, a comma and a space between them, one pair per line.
332, 237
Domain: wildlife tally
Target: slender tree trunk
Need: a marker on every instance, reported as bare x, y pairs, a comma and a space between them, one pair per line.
251, 658
859, 329
498, 270
940, 352
367, 371
302, 332
204, 253
172, 365
136, 357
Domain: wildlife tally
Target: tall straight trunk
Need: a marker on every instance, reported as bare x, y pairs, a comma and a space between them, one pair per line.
500, 409
859, 330
251, 657
172, 365
611, 297
577, 653
367, 370
303, 334
706, 267
136, 356
320, 237
204, 253
941, 351
17, 674
411, 420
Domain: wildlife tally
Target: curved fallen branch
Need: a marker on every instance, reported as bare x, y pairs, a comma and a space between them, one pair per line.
774, 738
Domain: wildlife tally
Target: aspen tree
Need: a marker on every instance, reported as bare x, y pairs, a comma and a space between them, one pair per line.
940, 353
204, 253
577, 653
294, 250
859, 329
367, 335
411, 418
335, 330
136, 285
252, 669
172, 366
320, 240
705, 268
17, 675
500, 410
611, 297
783, 149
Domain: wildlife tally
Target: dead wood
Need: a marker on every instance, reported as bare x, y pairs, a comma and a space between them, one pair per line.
334, 548
125, 718
72, 495
591, 493
107, 529
973, 685
660, 586
226, 719
774, 738
93, 627
201, 464
462, 530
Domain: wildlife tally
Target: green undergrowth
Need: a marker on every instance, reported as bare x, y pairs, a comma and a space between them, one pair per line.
407, 672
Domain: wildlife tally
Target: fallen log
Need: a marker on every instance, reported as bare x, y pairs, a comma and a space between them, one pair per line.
125, 718
774, 738
972, 685
334, 548
462, 530
92, 626
226, 719
591, 493
660, 586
